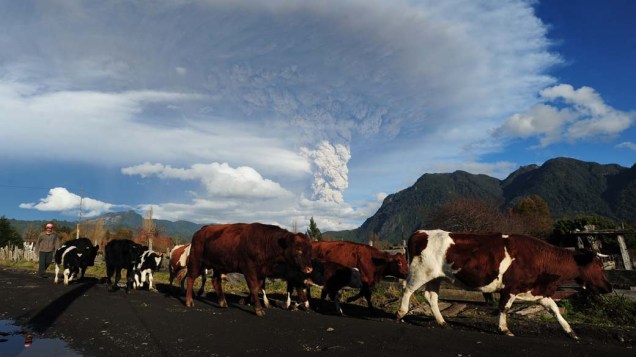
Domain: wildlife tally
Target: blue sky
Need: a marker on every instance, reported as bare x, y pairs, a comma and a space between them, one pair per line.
277, 111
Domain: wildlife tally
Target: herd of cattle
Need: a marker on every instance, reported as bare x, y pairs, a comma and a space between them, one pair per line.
516, 266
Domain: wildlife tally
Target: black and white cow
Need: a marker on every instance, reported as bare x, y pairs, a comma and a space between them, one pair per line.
74, 256
149, 262
122, 254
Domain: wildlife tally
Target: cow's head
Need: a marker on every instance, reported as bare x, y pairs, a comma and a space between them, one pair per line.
591, 273
297, 251
136, 251
150, 260
394, 265
92, 253
400, 265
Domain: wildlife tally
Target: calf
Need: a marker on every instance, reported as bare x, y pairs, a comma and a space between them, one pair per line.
177, 266
332, 277
74, 256
519, 267
122, 254
372, 263
149, 262
251, 249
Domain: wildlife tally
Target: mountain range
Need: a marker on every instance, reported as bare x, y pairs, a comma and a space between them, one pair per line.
570, 187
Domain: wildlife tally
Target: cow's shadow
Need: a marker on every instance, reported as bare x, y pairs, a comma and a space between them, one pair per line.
46, 317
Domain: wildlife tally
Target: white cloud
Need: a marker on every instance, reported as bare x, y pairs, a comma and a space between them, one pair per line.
219, 180
60, 199
586, 116
627, 145
380, 196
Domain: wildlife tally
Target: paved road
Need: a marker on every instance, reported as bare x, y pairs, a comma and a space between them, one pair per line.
96, 322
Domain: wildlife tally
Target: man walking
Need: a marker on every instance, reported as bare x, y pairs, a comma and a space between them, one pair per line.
47, 243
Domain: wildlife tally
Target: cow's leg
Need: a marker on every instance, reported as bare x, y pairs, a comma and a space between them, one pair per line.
172, 275
358, 295
254, 284
431, 293
366, 292
265, 299
203, 278
505, 303
303, 296
57, 271
414, 281
150, 287
115, 284
193, 271
217, 283
335, 297
109, 276
306, 295
551, 306
67, 273
130, 275
83, 269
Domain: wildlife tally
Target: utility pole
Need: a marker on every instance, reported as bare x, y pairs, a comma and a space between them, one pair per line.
149, 227
79, 215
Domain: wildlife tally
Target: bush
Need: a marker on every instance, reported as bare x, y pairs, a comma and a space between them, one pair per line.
611, 309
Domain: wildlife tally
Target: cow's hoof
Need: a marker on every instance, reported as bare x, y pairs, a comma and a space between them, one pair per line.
223, 304
399, 315
190, 303
260, 313
508, 333
573, 335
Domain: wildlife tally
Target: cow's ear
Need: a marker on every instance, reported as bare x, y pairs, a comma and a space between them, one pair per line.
378, 261
584, 257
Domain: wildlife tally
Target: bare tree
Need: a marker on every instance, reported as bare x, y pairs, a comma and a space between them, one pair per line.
467, 215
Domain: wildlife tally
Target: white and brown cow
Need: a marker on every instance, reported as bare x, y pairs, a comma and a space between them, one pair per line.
517, 266
177, 266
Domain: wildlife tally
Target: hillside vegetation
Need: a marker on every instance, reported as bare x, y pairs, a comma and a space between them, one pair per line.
569, 187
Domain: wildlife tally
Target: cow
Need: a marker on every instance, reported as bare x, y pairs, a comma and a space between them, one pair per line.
517, 266
74, 257
253, 249
149, 262
373, 264
332, 277
122, 254
177, 267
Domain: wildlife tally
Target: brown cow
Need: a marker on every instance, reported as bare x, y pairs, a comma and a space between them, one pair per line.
251, 249
519, 267
372, 263
177, 266
332, 277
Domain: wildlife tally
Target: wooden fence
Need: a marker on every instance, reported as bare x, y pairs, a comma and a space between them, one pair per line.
17, 254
